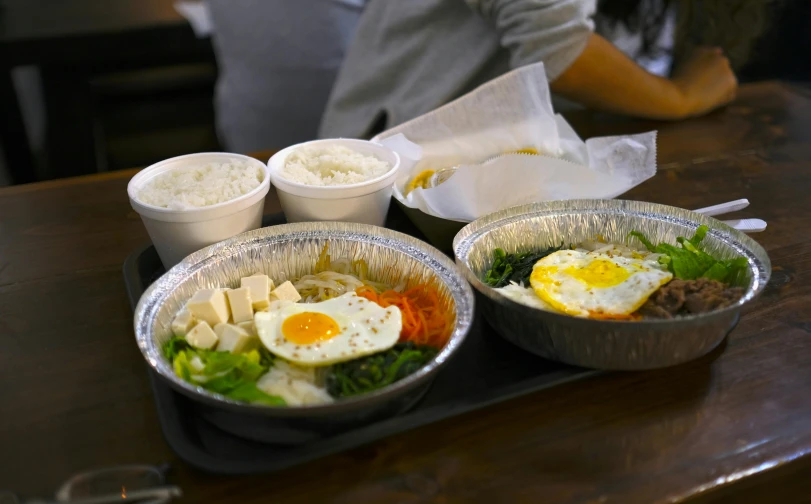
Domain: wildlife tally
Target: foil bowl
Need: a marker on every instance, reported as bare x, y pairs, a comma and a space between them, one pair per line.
438, 231
286, 252
603, 344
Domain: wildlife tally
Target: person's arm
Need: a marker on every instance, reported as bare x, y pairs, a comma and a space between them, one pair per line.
588, 69
602, 77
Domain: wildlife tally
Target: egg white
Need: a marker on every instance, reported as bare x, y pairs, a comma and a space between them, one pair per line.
525, 296
594, 285
365, 328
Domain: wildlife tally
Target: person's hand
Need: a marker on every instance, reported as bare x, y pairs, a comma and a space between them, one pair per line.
705, 81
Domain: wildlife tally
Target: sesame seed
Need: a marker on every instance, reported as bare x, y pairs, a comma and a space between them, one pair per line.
374, 330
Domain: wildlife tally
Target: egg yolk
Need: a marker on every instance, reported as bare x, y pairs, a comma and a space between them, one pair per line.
528, 150
310, 327
421, 180
599, 273
543, 274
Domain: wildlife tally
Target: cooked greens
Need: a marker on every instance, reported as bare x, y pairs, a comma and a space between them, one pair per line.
373, 372
689, 262
232, 375
516, 268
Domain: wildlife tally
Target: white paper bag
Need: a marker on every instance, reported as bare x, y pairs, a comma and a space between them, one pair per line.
476, 133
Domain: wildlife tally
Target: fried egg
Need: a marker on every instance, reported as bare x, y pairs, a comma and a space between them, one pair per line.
593, 285
336, 330
423, 179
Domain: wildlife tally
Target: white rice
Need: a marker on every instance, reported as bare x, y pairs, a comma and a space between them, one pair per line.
331, 165
298, 386
200, 186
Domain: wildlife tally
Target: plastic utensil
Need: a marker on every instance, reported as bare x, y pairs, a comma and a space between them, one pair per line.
747, 225
724, 208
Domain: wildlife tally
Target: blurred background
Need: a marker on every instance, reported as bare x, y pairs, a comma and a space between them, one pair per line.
90, 86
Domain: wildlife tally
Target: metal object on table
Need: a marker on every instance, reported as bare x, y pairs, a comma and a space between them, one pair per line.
620, 345
133, 483
286, 252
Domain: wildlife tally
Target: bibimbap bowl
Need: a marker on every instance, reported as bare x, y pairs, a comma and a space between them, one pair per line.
287, 252
604, 344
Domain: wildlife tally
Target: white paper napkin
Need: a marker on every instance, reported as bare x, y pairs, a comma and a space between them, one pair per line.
510, 113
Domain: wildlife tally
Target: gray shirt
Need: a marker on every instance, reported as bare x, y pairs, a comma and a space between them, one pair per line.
278, 60
411, 56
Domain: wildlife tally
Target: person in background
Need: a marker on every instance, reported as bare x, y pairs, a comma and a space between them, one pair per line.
660, 33
411, 57
277, 63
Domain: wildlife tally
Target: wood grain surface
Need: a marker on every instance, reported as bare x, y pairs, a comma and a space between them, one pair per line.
732, 427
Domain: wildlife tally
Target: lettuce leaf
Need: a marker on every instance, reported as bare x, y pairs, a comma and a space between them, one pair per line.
644, 239
699, 235
232, 375
174, 346
737, 271
688, 262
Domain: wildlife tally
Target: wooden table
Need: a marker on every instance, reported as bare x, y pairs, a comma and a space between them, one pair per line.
732, 427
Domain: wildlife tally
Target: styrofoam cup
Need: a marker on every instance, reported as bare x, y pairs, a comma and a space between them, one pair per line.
178, 233
366, 202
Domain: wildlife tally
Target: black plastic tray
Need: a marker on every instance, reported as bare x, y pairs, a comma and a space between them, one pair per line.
485, 371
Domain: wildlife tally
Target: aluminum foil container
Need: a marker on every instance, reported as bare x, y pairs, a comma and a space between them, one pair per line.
287, 252
603, 344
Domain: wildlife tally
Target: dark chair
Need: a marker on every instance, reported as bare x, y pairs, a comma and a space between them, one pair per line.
142, 116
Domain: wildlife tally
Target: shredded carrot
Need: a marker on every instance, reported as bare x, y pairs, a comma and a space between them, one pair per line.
425, 320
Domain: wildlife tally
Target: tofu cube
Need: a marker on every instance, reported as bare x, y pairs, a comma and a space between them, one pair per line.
219, 328
182, 323
209, 305
235, 339
285, 291
259, 287
240, 302
202, 336
249, 327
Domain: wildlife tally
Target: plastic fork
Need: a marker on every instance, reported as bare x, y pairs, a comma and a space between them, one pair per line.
724, 208
745, 225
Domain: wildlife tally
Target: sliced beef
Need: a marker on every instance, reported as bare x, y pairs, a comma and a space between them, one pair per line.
685, 297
